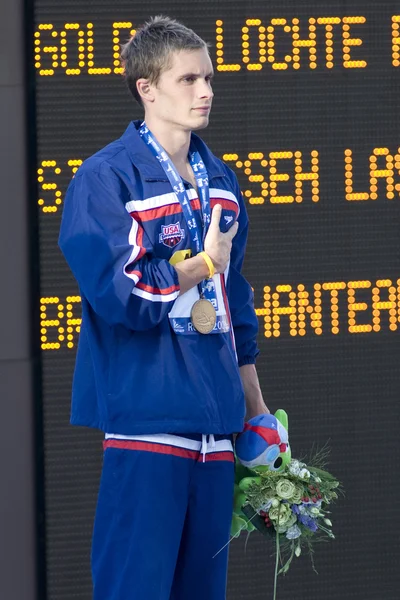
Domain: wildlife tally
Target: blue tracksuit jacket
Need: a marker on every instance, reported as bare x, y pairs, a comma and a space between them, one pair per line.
121, 224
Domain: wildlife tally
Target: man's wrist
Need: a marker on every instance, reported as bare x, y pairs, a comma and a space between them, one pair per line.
191, 272
209, 263
255, 404
253, 410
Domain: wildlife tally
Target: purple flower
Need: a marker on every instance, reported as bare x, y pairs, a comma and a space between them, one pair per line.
295, 509
308, 522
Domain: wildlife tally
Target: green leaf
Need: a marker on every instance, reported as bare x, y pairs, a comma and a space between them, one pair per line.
257, 521
323, 474
246, 483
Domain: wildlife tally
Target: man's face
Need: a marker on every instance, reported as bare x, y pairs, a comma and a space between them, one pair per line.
183, 94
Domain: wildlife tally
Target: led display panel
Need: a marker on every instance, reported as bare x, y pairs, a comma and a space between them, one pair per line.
306, 114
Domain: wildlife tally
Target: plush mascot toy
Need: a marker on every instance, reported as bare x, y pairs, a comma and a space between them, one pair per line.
263, 445
264, 442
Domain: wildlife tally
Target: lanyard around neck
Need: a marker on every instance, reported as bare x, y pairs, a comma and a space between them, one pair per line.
201, 175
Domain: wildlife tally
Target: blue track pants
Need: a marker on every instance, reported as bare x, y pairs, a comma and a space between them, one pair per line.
164, 511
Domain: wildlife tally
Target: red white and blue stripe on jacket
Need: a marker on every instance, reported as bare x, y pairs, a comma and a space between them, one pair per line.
121, 225
151, 214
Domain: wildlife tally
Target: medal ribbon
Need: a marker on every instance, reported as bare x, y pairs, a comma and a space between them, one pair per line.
201, 175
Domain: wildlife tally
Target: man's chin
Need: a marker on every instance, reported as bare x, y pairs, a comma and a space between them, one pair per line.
200, 123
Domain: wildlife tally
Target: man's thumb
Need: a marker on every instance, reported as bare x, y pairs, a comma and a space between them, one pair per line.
216, 216
233, 230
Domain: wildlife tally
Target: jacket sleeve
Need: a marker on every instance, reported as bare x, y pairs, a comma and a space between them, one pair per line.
110, 254
240, 294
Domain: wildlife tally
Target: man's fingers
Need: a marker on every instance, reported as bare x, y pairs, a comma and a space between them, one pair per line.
232, 231
216, 217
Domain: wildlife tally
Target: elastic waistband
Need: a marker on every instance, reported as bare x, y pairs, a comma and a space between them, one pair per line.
199, 436
194, 446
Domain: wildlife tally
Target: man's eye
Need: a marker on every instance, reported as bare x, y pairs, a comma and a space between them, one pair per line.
189, 79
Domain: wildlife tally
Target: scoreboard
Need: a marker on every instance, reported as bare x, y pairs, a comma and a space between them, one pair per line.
306, 112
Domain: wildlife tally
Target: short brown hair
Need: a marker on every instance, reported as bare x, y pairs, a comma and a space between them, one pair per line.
148, 53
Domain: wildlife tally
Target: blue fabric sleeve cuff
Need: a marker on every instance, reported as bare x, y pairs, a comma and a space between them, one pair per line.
247, 360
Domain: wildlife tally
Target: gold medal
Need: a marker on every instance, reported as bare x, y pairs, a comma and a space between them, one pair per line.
203, 316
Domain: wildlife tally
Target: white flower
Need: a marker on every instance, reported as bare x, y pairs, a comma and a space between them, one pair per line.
285, 488
293, 532
328, 522
297, 496
280, 514
294, 467
298, 551
314, 511
283, 527
317, 479
292, 520
304, 474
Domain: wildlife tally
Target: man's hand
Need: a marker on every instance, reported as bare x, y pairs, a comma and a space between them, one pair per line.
218, 245
254, 411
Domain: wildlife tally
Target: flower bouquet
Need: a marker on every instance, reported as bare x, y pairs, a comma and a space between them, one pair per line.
285, 499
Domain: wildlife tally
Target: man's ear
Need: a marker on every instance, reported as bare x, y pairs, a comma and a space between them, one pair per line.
145, 90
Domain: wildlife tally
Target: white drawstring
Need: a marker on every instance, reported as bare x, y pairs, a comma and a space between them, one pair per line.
204, 444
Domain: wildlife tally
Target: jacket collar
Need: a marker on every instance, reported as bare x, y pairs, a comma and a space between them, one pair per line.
148, 165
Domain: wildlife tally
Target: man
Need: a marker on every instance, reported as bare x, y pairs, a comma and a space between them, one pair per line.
154, 229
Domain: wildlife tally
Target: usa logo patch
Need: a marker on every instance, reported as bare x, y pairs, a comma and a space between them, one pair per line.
171, 235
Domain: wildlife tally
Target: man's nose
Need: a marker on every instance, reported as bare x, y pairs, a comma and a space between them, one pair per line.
205, 90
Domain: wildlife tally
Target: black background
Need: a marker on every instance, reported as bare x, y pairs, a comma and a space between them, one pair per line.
342, 387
